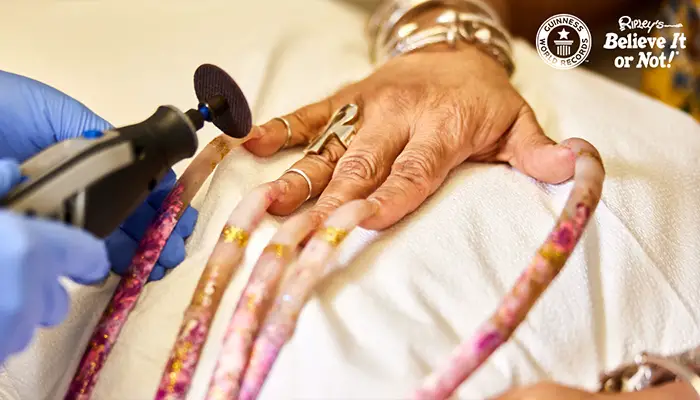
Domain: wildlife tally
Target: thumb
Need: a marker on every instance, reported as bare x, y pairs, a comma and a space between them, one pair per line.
10, 175
530, 151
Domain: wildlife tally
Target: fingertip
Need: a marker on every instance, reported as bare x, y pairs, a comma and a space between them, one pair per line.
261, 147
267, 139
376, 206
256, 132
120, 248
96, 265
20, 337
156, 198
157, 273
377, 223
136, 224
68, 251
167, 182
553, 164
10, 175
382, 218
186, 223
57, 304
290, 198
173, 252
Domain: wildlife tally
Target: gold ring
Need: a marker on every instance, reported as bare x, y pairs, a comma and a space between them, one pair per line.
234, 234
306, 178
332, 236
289, 131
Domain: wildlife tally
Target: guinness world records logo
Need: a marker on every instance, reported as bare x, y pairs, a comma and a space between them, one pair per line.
564, 41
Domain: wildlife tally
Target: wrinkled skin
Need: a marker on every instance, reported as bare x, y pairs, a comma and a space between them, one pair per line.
421, 115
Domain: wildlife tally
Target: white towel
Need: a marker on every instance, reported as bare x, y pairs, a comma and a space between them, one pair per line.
410, 294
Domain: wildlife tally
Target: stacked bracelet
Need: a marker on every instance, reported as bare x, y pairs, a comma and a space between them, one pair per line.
649, 370
393, 30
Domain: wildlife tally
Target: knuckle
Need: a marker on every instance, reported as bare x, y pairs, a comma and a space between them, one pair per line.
333, 152
326, 161
302, 117
399, 98
327, 204
448, 124
318, 216
418, 171
360, 165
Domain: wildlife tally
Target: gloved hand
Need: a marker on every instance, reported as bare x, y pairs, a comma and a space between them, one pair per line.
33, 255
34, 116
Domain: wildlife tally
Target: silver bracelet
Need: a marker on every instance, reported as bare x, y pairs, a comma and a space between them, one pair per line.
649, 370
449, 27
390, 12
446, 21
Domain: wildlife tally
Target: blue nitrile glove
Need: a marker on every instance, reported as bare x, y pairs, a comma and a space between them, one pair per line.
34, 116
33, 255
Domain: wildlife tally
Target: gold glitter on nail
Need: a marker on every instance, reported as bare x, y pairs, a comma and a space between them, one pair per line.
180, 355
222, 147
332, 236
280, 250
553, 256
234, 234
204, 297
251, 300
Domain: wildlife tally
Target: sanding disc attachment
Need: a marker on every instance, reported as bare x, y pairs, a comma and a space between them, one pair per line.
234, 118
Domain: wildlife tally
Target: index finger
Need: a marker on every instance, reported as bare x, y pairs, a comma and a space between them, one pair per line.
298, 127
66, 251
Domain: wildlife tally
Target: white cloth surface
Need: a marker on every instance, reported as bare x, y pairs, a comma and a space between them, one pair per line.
410, 294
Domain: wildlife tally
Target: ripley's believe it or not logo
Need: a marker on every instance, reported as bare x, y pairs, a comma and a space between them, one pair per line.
564, 41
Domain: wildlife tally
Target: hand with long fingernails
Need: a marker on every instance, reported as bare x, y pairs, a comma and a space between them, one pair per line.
421, 115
